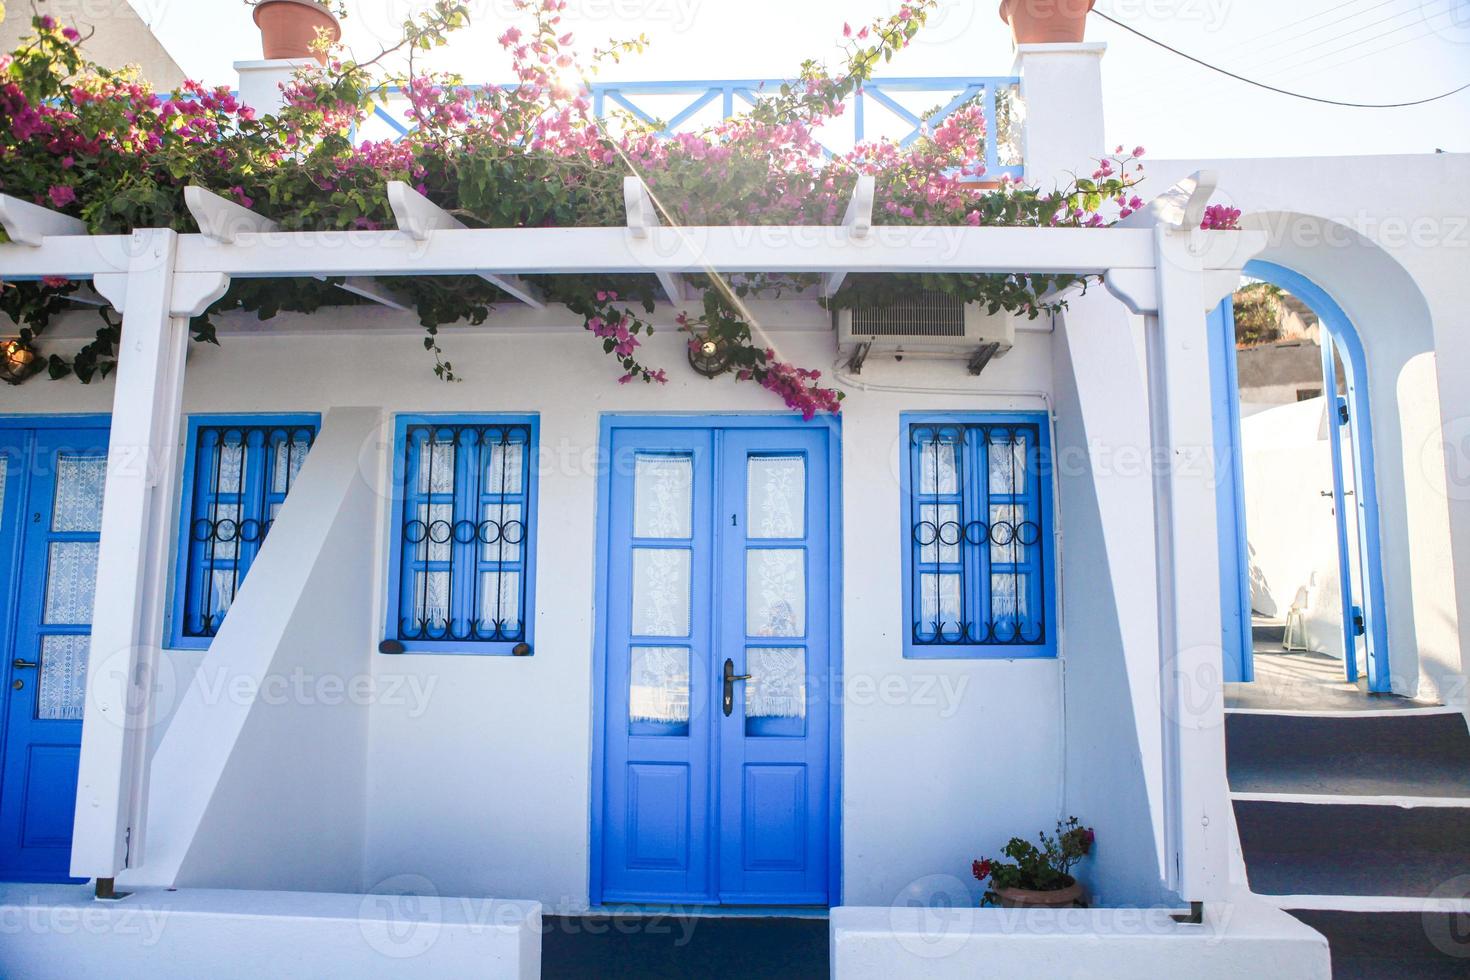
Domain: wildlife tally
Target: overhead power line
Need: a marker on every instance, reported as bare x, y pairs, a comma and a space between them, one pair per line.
1272, 88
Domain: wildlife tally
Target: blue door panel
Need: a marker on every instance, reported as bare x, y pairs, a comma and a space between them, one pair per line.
656, 810
774, 626
717, 550
47, 813
50, 522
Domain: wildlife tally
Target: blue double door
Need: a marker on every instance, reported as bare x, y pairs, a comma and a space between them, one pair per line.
715, 715
51, 481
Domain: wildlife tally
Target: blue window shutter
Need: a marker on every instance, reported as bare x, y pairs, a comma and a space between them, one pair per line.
238, 471
978, 557
463, 534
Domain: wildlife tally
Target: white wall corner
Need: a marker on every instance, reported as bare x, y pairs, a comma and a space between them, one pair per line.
1061, 88
261, 81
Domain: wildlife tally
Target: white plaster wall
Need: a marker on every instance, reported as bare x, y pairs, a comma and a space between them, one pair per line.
478, 774
1289, 525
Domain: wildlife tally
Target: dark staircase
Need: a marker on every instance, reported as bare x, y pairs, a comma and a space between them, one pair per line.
1332, 840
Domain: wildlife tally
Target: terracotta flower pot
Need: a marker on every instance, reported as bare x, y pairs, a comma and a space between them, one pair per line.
1046, 21
288, 28
1025, 898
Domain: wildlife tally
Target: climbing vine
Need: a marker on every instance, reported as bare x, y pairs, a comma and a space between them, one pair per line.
102, 145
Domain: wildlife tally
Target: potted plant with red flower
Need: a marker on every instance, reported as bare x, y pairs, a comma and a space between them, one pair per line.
1038, 877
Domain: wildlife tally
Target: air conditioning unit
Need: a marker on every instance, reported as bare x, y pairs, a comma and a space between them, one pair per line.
927, 324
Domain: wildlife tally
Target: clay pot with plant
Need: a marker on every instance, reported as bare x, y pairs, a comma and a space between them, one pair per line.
1038, 877
1046, 21
292, 28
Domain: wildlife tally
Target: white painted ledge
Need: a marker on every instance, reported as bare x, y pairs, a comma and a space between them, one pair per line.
61, 931
1095, 49
1244, 937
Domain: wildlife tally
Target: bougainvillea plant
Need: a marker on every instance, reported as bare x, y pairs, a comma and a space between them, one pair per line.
100, 144
1043, 869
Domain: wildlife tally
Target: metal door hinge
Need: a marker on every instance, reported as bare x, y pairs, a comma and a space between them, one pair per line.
1359, 627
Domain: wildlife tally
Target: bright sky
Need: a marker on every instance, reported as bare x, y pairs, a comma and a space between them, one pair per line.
1358, 50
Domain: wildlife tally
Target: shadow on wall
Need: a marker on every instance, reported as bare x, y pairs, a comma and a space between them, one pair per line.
1261, 602
1105, 781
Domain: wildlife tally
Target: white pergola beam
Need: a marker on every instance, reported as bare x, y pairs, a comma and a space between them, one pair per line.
30, 224
642, 216
858, 219
765, 248
514, 251
420, 218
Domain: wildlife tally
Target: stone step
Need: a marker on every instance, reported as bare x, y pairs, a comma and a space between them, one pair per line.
1408, 754
1394, 945
1339, 849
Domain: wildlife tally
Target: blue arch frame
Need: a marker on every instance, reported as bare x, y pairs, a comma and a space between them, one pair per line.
1355, 369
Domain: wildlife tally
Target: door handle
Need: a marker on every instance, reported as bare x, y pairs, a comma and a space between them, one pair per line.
730, 678
21, 664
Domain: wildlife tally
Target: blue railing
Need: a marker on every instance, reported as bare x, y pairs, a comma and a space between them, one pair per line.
682, 102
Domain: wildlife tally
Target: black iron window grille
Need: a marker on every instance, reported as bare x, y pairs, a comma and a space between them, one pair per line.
465, 541
241, 474
978, 533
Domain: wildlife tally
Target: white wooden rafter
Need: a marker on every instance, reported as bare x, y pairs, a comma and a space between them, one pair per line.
858, 220
642, 216
224, 221
30, 224
420, 219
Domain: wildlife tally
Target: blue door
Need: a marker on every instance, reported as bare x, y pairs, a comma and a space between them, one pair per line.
715, 714
51, 483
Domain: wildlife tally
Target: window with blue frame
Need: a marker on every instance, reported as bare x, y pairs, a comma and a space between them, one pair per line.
978, 561
237, 473
464, 520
